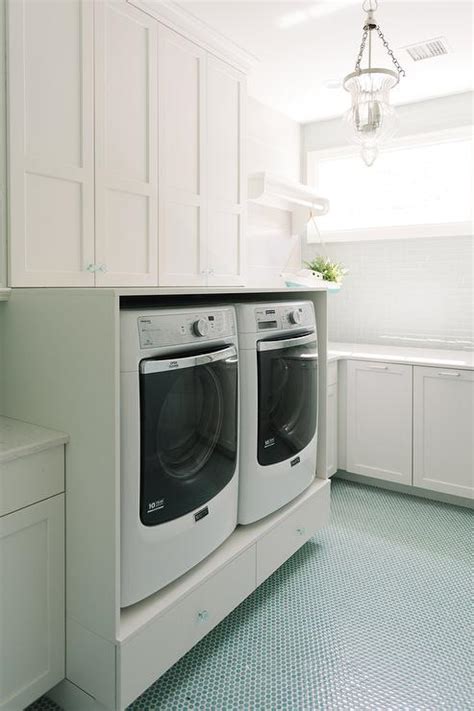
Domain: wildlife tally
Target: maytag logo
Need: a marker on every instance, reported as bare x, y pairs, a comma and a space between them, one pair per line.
173, 364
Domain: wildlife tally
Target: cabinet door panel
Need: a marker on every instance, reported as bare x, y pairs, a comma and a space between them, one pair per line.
224, 247
379, 420
226, 189
51, 134
32, 602
182, 117
126, 145
443, 430
331, 438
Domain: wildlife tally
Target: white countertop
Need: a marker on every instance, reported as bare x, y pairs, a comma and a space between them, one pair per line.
401, 354
18, 439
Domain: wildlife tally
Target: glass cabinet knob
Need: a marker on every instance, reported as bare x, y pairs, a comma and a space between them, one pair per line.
203, 615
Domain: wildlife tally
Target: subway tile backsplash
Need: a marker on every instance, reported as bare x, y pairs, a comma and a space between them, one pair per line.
403, 292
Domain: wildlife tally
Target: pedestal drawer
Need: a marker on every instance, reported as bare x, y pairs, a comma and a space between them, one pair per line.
304, 518
156, 647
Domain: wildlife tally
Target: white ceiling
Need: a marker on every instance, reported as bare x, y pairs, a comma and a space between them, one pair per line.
302, 45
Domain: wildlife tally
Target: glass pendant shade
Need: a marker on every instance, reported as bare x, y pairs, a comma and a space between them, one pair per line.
371, 120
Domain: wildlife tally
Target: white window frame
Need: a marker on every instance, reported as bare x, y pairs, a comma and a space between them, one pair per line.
445, 229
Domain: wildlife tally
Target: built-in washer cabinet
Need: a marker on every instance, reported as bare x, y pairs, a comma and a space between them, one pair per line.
402, 423
32, 611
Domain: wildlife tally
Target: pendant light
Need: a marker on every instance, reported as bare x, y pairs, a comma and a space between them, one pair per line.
371, 119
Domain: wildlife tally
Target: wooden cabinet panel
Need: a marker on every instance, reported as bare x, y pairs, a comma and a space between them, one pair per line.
182, 166
32, 602
226, 173
444, 430
126, 123
379, 420
51, 134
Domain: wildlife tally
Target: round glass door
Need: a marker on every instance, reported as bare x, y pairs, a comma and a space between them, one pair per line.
287, 400
188, 434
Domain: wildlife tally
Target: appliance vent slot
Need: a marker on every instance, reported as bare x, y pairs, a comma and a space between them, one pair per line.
426, 50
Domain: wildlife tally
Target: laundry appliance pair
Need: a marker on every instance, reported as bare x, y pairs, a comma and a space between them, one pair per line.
218, 428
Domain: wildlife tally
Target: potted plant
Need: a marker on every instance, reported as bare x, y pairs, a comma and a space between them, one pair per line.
329, 271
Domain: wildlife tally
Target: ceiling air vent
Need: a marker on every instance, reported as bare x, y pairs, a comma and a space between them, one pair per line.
426, 50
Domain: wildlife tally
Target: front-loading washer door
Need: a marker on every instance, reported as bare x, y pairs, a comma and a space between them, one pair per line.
287, 396
188, 432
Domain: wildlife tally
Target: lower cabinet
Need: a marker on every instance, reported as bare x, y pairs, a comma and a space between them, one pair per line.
443, 456
31, 602
332, 417
379, 420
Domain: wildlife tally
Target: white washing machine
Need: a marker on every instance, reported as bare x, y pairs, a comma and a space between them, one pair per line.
179, 442
279, 404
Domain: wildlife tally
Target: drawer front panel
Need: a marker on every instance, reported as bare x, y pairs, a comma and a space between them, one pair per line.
289, 535
160, 644
32, 478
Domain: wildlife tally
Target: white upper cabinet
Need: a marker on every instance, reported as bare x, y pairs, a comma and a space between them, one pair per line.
182, 161
226, 173
51, 136
126, 139
443, 430
126, 150
201, 173
379, 420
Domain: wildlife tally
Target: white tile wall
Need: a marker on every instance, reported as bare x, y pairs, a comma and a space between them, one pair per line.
399, 292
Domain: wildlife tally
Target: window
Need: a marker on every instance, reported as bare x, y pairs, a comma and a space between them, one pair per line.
419, 187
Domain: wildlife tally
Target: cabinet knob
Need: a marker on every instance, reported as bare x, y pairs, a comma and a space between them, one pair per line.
93, 268
202, 616
301, 531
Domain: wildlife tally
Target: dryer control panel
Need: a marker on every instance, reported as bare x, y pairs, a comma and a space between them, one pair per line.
180, 328
284, 316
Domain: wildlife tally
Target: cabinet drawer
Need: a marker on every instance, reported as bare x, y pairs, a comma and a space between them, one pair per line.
32, 478
292, 532
156, 647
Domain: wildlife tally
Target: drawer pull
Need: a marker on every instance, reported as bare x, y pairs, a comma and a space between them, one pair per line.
450, 373
378, 367
202, 616
301, 531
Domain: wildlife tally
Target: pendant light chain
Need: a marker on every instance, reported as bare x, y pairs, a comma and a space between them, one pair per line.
370, 6
400, 70
361, 50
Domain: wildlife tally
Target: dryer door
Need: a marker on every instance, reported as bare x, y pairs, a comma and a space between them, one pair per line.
287, 396
188, 413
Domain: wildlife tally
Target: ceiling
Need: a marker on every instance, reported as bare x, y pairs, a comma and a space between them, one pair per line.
303, 47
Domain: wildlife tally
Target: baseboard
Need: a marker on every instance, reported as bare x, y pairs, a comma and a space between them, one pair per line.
71, 698
405, 489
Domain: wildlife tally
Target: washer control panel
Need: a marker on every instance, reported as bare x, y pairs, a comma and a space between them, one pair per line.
162, 330
282, 317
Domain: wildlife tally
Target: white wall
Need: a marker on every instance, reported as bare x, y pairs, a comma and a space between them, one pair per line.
398, 292
273, 144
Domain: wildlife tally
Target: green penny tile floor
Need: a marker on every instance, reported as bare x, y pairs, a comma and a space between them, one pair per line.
373, 613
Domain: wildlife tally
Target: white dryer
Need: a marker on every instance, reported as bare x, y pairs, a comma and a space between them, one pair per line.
279, 404
179, 442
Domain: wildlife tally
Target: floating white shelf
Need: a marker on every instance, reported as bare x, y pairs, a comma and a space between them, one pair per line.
274, 191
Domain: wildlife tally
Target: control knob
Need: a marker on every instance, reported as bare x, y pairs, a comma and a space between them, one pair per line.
296, 317
201, 327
